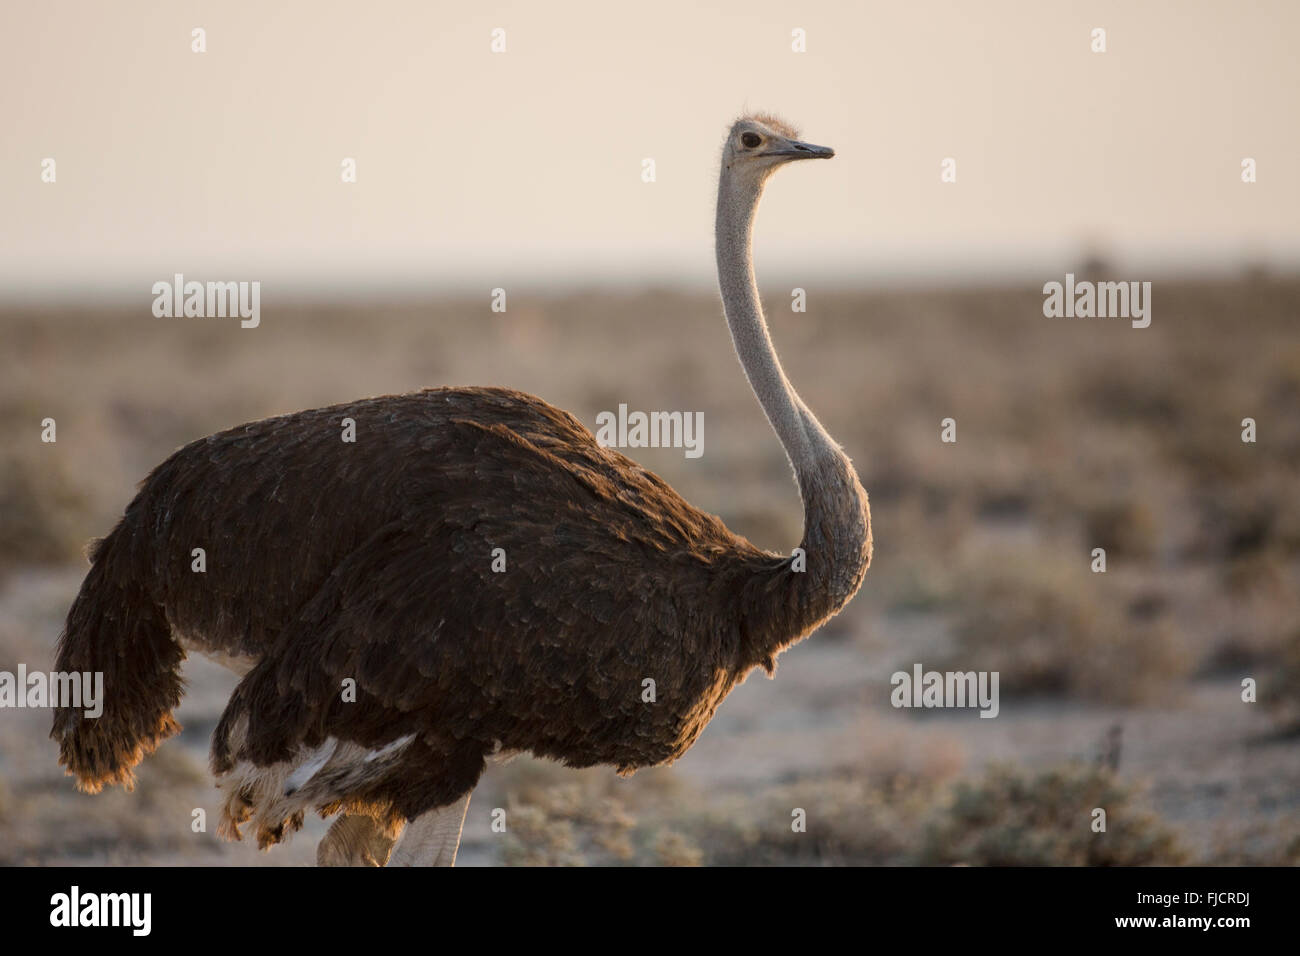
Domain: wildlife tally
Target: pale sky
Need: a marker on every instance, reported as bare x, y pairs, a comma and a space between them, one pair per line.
482, 169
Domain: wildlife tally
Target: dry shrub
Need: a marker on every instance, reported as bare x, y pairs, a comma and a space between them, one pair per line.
1050, 627
1011, 818
847, 820
1257, 842
1008, 816
568, 825
534, 837
1281, 692
677, 849
39, 512
1125, 528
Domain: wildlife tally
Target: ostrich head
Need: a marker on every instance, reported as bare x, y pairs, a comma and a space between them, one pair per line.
759, 143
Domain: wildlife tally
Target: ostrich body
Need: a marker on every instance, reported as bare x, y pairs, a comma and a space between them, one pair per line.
370, 566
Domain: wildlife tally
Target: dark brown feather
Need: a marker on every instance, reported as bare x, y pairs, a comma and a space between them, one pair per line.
373, 561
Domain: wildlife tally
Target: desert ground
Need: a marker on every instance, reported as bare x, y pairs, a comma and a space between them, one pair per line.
1120, 690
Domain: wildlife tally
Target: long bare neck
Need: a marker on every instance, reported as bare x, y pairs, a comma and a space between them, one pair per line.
805, 441
837, 525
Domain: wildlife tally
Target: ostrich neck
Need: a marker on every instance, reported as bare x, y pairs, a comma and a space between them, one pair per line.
802, 436
837, 528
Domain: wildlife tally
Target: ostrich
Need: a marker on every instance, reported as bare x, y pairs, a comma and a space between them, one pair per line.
382, 659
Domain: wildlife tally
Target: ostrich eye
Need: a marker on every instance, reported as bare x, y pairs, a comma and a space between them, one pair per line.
750, 140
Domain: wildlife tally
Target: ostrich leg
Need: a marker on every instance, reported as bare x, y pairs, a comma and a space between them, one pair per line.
432, 839
355, 840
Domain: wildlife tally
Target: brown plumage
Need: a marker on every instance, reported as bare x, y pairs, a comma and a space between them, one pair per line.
373, 561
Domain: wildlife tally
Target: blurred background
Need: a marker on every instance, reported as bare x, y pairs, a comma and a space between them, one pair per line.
522, 170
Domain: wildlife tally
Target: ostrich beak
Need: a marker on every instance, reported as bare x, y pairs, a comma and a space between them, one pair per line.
794, 149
